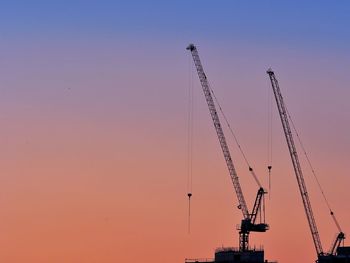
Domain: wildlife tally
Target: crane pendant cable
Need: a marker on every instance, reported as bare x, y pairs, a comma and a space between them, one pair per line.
235, 139
313, 172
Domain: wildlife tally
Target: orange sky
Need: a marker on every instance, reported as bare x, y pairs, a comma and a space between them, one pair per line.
93, 108
89, 185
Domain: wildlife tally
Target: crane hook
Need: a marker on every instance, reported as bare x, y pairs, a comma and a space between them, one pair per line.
189, 212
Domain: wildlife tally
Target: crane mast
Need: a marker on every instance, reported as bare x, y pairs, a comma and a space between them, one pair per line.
248, 222
295, 160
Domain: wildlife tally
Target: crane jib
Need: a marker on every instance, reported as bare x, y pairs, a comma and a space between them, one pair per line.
219, 131
295, 160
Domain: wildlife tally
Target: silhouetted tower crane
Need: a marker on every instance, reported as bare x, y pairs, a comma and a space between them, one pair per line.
322, 256
248, 224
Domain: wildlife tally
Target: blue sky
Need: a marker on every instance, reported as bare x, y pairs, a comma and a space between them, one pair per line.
318, 23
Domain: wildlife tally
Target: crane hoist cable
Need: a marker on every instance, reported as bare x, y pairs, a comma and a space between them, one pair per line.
190, 127
269, 137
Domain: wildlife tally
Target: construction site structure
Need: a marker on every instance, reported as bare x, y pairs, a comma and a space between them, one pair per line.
234, 255
337, 253
249, 222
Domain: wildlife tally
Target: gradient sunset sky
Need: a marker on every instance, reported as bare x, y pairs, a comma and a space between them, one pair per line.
93, 138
